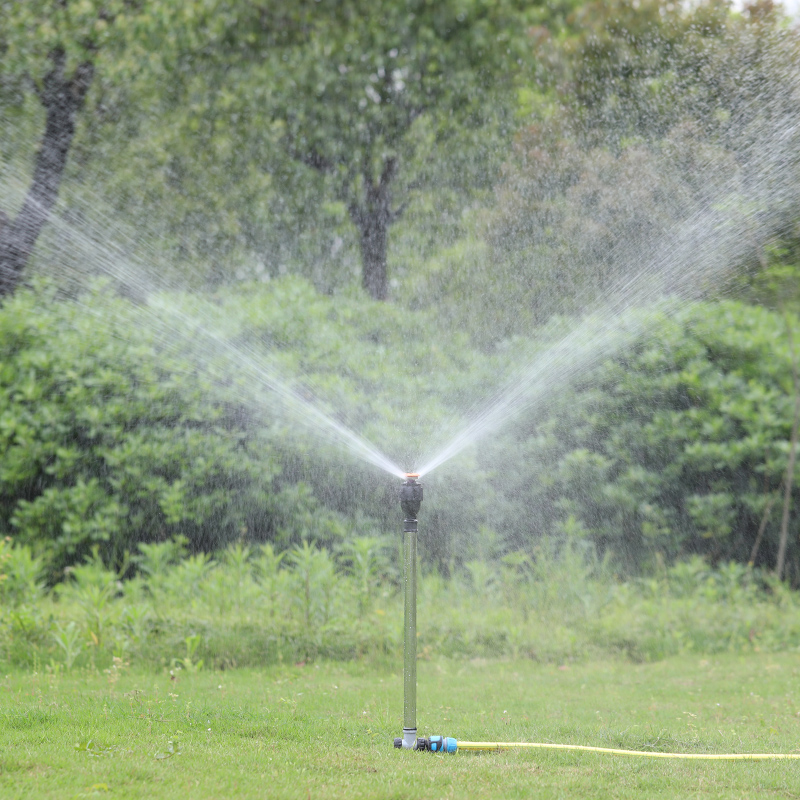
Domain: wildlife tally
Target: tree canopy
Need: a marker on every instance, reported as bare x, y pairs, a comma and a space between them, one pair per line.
524, 160
370, 94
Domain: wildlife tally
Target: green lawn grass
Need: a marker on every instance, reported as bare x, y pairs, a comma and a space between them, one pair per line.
326, 730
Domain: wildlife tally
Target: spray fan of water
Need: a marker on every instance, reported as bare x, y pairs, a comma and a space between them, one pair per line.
180, 317
735, 216
671, 269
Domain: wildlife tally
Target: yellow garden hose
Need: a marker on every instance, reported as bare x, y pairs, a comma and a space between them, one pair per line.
618, 752
446, 744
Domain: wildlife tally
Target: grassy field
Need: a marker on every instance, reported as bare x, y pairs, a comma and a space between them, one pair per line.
325, 730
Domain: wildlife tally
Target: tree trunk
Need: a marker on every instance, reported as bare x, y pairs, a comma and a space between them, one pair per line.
761, 528
62, 98
373, 233
373, 217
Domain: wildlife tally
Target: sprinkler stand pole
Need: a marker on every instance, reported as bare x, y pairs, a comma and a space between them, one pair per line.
410, 501
410, 633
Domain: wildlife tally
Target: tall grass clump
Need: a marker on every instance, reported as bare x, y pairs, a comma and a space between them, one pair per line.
252, 605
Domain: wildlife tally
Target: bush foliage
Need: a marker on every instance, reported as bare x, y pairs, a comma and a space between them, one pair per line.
128, 424
677, 446
108, 438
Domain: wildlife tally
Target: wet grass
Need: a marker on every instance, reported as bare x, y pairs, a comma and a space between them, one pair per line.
325, 731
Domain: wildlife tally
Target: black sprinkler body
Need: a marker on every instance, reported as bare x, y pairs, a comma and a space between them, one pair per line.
411, 498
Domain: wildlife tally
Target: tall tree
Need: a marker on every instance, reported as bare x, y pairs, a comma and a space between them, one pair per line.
49, 47
360, 81
664, 114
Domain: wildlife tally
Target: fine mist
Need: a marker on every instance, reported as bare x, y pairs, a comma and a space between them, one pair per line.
641, 200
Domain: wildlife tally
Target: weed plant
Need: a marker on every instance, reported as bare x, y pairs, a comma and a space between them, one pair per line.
251, 606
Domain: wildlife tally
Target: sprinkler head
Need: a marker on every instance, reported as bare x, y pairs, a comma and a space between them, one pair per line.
411, 496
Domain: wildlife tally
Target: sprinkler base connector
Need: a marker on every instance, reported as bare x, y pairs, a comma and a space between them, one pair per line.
433, 744
408, 740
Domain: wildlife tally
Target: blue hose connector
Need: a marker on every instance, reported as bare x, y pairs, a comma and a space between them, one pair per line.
443, 744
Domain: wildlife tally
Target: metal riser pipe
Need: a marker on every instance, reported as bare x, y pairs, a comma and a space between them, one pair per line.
410, 634
410, 501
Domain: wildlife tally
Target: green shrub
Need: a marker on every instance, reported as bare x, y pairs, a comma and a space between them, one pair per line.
124, 424
107, 438
251, 607
676, 446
